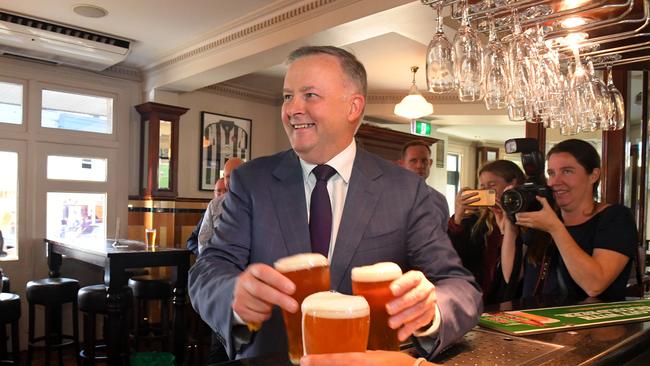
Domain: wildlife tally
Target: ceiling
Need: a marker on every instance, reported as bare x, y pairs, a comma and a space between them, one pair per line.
388, 36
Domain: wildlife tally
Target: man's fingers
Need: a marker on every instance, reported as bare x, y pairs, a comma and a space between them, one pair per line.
273, 278
409, 328
406, 282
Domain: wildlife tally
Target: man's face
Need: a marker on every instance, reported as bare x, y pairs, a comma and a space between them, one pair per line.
321, 108
418, 160
220, 188
230, 165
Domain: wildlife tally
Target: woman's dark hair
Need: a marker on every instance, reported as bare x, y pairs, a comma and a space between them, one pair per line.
583, 152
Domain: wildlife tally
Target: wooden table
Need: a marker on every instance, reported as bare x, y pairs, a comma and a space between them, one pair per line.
115, 260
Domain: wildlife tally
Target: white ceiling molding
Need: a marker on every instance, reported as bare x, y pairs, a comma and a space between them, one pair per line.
235, 91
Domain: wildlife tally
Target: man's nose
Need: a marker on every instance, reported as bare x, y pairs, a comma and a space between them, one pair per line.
294, 106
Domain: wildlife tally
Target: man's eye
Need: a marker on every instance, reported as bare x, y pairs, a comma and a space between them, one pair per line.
310, 95
287, 96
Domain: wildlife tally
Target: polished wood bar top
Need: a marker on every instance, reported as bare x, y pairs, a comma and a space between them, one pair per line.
604, 345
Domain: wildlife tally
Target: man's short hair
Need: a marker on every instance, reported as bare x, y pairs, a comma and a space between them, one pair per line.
415, 143
351, 66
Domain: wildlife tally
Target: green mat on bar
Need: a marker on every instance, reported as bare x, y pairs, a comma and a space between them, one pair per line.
152, 359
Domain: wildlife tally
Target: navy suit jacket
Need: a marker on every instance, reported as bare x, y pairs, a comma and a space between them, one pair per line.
388, 216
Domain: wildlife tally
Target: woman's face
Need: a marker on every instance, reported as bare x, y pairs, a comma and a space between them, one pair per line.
572, 185
489, 180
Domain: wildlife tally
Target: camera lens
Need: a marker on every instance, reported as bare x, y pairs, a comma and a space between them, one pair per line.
512, 201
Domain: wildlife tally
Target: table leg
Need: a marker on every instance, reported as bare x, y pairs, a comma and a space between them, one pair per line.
54, 261
179, 301
117, 333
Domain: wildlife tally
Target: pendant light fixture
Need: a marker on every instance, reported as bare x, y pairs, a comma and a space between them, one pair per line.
413, 105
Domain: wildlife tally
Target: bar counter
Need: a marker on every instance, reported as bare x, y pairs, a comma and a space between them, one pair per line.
606, 345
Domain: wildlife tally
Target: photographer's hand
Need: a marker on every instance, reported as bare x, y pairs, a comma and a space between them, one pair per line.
462, 204
544, 219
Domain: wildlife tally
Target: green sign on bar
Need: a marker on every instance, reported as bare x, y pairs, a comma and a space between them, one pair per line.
422, 128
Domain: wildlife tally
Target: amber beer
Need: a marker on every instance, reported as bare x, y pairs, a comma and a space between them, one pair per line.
310, 273
150, 237
372, 282
334, 322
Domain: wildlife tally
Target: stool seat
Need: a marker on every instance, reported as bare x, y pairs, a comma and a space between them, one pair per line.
6, 284
92, 299
150, 288
52, 290
9, 307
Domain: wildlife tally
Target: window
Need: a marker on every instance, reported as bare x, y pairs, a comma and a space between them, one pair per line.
76, 216
9, 204
453, 180
11, 103
76, 168
76, 112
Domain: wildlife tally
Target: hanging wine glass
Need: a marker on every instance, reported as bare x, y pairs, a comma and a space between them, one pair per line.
549, 80
617, 118
497, 78
440, 65
522, 57
468, 60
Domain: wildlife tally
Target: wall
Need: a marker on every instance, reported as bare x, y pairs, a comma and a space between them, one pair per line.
267, 135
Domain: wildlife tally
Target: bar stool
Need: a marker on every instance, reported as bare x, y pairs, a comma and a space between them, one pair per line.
145, 289
9, 315
6, 287
92, 302
52, 293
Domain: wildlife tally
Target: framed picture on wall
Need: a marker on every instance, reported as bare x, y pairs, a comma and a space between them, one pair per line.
222, 137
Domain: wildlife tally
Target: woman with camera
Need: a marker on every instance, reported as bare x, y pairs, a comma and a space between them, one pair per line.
591, 244
477, 231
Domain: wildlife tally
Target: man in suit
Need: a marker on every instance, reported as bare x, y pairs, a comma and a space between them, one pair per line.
379, 212
416, 157
193, 241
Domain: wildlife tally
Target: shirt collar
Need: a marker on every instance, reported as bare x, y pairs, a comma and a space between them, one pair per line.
342, 162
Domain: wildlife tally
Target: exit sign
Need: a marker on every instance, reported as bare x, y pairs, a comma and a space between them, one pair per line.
421, 128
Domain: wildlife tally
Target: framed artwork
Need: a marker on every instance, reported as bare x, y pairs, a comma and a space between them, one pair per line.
222, 137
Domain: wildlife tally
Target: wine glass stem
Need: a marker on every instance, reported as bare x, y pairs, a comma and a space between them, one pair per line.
439, 17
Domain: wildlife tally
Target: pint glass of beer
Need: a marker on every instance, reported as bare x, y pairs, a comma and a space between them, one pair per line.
334, 322
310, 273
372, 282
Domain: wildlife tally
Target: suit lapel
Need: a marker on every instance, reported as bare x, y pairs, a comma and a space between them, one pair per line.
361, 199
288, 195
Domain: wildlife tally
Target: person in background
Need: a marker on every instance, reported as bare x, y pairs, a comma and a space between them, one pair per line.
193, 240
209, 221
416, 157
379, 212
592, 242
477, 232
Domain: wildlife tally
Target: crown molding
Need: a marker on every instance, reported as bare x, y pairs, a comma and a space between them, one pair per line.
394, 98
236, 91
258, 23
124, 72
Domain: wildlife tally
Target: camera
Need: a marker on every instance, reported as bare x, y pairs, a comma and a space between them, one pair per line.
522, 198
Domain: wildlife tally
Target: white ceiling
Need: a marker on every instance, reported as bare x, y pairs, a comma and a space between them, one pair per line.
388, 36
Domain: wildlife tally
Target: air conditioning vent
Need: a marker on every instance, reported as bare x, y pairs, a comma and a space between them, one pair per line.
62, 44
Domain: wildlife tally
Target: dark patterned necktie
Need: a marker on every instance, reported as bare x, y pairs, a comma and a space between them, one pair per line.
320, 211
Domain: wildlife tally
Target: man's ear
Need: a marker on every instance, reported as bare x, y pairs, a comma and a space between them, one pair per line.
357, 105
430, 162
400, 162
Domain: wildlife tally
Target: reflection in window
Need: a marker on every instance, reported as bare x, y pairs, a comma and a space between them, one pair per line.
75, 168
164, 154
9, 205
76, 216
11, 103
77, 112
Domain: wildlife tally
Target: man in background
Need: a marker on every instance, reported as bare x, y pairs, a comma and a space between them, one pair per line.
193, 241
416, 157
214, 207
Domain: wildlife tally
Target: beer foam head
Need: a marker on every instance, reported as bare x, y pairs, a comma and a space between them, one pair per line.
378, 272
300, 261
334, 305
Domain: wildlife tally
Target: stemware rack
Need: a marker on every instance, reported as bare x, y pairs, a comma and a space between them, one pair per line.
619, 30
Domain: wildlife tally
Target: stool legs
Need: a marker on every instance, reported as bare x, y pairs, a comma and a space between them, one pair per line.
53, 336
15, 343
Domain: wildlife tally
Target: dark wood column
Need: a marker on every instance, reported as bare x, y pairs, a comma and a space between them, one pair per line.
613, 154
150, 149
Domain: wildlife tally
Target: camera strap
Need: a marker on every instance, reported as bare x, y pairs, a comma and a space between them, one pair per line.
543, 272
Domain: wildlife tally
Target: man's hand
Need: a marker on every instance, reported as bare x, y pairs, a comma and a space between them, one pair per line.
414, 306
370, 358
258, 289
